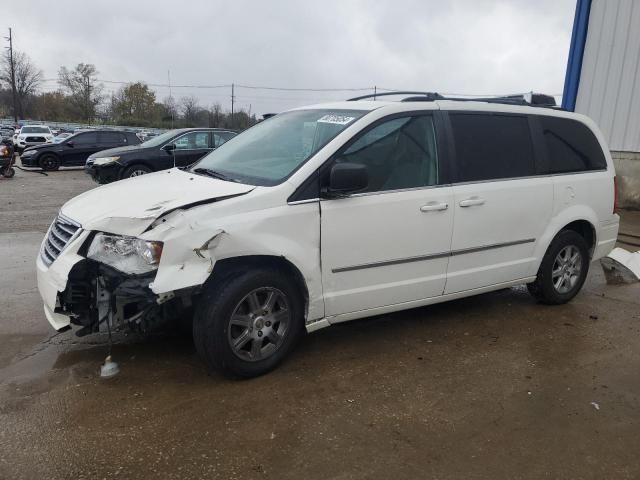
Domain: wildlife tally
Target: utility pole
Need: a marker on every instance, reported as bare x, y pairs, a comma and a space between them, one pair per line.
12, 67
233, 99
375, 92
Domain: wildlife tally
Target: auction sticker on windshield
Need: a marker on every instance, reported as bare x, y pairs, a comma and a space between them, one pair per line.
335, 119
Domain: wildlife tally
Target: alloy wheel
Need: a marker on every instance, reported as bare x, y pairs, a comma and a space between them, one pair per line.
566, 269
259, 324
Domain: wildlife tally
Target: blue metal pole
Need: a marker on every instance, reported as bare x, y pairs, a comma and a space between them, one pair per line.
576, 53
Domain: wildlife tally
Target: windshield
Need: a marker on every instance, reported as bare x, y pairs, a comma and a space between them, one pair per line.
269, 152
34, 130
160, 139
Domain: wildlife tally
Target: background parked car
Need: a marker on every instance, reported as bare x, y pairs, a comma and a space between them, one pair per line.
59, 138
6, 134
74, 150
30, 135
6, 158
180, 147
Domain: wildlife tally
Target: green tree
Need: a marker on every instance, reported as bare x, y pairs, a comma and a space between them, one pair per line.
135, 104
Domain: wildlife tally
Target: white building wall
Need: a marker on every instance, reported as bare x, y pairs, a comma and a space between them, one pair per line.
609, 90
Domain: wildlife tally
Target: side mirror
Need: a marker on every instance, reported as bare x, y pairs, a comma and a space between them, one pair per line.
169, 147
346, 178
69, 143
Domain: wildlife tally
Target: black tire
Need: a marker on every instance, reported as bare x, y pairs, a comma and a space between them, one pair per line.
136, 171
49, 162
213, 329
544, 289
9, 172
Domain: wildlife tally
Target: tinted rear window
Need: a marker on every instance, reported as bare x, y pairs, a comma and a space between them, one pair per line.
492, 146
571, 146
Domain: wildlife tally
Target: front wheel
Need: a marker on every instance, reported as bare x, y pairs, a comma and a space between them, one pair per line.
8, 172
49, 163
136, 171
248, 324
563, 270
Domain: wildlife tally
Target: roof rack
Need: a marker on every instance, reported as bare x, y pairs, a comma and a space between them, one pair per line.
537, 99
425, 96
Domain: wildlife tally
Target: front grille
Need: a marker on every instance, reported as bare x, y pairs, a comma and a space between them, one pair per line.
35, 139
62, 231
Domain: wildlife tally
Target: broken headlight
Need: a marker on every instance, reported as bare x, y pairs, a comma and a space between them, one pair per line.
128, 254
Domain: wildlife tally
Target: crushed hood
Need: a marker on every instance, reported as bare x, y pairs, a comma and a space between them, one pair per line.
129, 206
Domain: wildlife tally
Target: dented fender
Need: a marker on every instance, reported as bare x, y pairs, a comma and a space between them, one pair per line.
195, 239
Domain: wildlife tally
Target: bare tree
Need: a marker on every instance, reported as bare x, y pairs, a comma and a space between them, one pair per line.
83, 88
170, 109
190, 108
27, 77
216, 115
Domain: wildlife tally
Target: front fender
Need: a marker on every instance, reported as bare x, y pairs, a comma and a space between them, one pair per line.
192, 246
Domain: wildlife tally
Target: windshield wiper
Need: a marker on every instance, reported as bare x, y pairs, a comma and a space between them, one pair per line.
215, 174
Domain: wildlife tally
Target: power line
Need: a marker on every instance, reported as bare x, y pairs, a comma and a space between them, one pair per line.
283, 89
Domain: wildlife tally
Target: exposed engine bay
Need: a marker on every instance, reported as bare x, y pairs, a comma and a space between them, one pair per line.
99, 298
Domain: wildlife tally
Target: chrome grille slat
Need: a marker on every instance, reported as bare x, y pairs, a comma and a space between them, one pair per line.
70, 229
60, 238
61, 232
55, 242
57, 247
49, 250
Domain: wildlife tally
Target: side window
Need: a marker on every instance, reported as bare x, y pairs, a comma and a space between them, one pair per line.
571, 146
88, 138
112, 138
193, 141
222, 137
492, 146
399, 153
218, 140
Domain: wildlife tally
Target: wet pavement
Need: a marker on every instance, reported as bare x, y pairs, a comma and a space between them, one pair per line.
493, 386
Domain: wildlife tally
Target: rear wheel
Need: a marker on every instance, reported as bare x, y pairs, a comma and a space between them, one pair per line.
49, 162
246, 325
136, 171
563, 269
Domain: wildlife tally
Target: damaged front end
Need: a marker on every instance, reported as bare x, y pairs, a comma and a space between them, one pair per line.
99, 298
103, 282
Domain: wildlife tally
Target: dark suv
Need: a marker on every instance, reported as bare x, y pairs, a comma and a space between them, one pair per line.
75, 150
173, 148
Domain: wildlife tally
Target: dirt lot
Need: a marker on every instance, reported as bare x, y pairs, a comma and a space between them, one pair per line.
491, 387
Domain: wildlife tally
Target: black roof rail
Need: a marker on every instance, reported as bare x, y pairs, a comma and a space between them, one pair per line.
537, 99
510, 100
428, 96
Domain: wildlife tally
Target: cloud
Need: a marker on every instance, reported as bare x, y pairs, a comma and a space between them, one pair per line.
475, 47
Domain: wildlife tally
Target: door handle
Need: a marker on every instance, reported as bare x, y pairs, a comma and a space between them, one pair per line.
470, 202
434, 207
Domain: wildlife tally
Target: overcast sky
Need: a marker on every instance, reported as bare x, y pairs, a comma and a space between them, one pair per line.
467, 47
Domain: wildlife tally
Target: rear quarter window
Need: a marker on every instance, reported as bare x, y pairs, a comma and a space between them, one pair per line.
571, 146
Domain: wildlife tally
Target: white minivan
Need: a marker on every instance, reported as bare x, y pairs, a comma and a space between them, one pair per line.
335, 212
